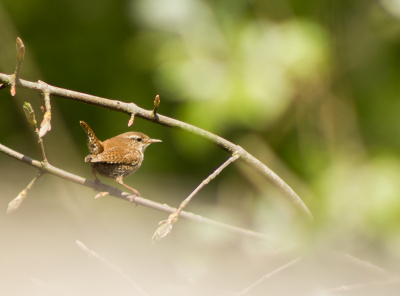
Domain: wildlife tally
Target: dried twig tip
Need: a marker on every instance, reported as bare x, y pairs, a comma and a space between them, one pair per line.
131, 120
45, 126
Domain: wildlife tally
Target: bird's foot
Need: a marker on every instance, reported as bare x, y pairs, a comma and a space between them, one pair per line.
132, 199
101, 194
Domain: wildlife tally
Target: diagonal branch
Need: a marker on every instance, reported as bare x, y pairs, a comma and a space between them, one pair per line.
134, 110
48, 168
269, 275
166, 225
205, 182
113, 267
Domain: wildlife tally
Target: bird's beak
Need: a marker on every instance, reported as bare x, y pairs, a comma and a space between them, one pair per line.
154, 141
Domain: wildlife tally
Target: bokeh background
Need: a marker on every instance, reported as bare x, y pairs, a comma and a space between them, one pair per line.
311, 88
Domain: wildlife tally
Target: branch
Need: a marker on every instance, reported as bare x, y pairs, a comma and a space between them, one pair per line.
357, 287
166, 225
113, 267
45, 167
268, 275
133, 110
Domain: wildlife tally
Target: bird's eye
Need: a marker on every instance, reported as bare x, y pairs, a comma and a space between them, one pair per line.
139, 139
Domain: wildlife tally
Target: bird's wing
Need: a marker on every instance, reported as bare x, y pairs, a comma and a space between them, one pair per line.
118, 156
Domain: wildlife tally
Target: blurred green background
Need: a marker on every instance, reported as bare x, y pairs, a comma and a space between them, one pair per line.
311, 88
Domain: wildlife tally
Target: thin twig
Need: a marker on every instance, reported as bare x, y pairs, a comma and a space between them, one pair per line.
362, 264
166, 225
131, 120
269, 275
133, 109
356, 287
45, 126
206, 181
30, 116
16, 202
113, 267
48, 168
20, 57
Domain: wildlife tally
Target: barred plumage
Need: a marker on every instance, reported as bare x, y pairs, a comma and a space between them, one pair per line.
117, 157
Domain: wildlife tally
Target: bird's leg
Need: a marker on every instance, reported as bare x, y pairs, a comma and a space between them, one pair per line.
97, 182
119, 181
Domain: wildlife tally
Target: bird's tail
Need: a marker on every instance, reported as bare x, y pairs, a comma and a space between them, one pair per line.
94, 145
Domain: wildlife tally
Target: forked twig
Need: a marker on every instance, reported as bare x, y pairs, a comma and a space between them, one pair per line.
30, 116
16, 202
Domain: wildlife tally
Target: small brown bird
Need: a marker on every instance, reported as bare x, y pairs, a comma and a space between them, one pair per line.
117, 157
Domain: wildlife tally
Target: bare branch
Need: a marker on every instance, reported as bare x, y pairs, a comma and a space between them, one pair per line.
368, 266
269, 275
133, 110
166, 225
348, 288
113, 267
48, 168
206, 181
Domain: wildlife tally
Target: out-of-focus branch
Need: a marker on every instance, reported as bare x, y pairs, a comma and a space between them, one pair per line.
268, 275
113, 267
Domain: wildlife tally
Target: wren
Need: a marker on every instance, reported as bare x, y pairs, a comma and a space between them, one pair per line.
118, 157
